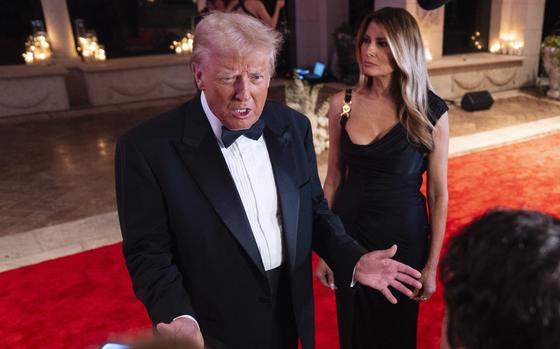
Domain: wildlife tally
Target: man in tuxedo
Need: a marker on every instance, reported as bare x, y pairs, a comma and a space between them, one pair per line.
220, 205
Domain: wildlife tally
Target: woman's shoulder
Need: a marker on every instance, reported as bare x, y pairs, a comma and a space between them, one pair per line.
337, 100
436, 107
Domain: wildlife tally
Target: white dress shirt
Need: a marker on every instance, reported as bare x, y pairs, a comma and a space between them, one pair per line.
249, 165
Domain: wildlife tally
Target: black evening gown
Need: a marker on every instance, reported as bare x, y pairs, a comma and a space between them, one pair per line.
380, 203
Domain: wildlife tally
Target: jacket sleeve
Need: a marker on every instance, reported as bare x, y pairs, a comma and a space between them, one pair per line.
147, 242
330, 240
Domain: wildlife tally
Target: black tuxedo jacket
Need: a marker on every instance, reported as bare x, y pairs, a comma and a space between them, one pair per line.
187, 240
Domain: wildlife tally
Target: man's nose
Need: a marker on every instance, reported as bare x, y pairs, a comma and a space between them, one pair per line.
242, 88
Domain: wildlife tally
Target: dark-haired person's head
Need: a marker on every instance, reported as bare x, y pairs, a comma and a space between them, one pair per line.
501, 276
215, 5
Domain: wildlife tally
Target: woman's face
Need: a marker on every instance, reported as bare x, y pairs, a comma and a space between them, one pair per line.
377, 59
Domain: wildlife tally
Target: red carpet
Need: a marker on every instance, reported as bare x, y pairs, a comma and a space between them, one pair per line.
85, 299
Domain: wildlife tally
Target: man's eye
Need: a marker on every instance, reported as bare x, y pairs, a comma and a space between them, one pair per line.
257, 77
227, 79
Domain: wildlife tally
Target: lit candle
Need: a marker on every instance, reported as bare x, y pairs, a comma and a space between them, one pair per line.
38, 49
428, 56
183, 46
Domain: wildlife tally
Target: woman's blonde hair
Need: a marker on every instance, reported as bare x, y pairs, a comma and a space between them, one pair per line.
411, 72
234, 34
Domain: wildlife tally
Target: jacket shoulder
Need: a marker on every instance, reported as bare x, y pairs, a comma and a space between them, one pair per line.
166, 125
292, 116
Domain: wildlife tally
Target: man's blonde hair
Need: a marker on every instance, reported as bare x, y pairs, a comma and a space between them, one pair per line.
234, 34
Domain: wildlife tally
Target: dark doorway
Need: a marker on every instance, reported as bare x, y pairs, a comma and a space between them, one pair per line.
286, 25
359, 9
466, 26
15, 27
135, 27
551, 23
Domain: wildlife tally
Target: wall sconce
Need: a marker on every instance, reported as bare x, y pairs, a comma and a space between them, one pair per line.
88, 46
184, 46
37, 47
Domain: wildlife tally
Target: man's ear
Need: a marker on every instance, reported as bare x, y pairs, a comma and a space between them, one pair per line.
197, 73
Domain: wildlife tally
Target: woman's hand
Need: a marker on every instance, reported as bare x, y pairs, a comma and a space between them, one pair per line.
325, 274
428, 280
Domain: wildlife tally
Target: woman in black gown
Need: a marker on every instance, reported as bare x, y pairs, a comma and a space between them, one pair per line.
257, 9
384, 135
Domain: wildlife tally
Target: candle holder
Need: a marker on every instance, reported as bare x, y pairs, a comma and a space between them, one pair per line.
88, 45
37, 47
183, 46
508, 45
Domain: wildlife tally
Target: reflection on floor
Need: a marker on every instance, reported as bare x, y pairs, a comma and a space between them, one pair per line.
59, 168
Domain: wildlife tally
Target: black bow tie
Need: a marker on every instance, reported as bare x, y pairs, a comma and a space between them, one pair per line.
254, 132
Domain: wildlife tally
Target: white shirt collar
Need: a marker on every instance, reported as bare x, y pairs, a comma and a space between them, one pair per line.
215, 123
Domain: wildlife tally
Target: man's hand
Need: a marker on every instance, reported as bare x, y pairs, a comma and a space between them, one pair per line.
182, 328
377, 270
325, 274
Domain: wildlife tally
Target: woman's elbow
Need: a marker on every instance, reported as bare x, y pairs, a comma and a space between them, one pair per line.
438, 196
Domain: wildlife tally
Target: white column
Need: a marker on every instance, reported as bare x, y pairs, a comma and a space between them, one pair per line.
59, 28
308, 32
316, 21
524, 19
527, 18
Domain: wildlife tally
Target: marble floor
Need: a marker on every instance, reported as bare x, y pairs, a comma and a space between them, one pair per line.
56, 183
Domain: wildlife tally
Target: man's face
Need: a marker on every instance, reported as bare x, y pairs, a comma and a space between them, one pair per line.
235, 87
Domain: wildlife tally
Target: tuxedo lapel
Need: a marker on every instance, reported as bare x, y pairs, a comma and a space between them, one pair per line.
279, 141
204, 161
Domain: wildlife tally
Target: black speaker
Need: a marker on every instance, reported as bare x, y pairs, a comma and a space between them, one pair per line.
478, 100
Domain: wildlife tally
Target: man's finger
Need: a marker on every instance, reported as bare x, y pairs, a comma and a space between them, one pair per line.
165, 330
416, 294
388, 253
409, 280
402, 288
388, 295
403, 268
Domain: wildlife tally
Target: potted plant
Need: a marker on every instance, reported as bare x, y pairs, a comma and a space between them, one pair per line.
303, 97
551, 62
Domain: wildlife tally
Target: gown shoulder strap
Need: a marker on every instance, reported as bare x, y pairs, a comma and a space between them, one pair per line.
345, 112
